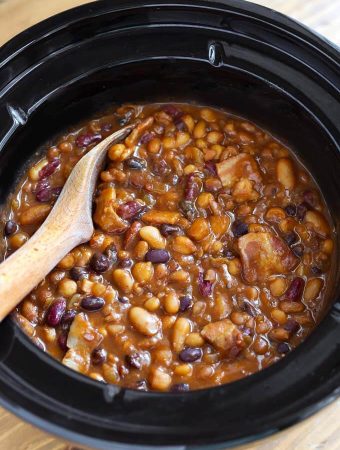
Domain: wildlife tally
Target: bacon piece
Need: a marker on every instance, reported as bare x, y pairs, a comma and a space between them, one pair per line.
223, 335
106, 216
264, 254
231, 170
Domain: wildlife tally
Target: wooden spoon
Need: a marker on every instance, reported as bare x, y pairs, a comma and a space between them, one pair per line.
69, 224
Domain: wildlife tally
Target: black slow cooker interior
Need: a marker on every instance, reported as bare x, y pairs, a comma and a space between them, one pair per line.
239, 57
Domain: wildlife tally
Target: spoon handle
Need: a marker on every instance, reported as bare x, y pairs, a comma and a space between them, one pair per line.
24, 269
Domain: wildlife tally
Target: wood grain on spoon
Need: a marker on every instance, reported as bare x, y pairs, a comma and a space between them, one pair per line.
68, 225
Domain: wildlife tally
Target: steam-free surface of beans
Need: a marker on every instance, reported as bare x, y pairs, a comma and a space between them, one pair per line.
209, 260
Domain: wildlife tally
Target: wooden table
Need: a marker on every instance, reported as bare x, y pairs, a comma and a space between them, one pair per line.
321, 431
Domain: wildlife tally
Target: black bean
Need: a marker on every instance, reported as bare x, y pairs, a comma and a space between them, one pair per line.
185, 302
10, 227
56, 312
170, 230
157, 256
291, 210
92, 303
98, 356
180, 387
249, 309
134, 360
291, 238
135, 163
301, 210
298, 250
283, 347
190, 354
141, 385
228, 253
239, 228
78, 273
123, 300
126, 263
316, 270
111, 253
100, 263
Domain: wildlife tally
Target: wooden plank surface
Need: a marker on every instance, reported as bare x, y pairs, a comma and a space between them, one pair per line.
321, 431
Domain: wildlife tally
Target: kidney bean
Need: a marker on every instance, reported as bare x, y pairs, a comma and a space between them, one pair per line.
295, 290
134, 361
11, 227
190, 354
92, 303
62, 341
130, 209
135, 163
169, 230
131, 234
291, 210
239, 228
157, 256
180, 387
210, 167
78, 273
111, 253
98, 356
185, 302
160, 167
49, 169
192, 188
84, 140
147, 137
69, 316
205, 286
100, 263
172, 111
56, 312
283, 347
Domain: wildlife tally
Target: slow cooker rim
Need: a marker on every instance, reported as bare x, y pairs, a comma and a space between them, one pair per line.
52, 22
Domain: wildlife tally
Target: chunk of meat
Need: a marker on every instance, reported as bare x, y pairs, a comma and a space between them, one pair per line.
231, 170
106, 216
82, 340
223, 335
158, 217
244, 191
264, 254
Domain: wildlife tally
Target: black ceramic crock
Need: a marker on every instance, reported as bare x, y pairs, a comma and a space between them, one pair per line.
231, 54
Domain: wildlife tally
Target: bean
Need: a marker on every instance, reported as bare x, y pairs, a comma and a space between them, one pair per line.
134, 360
49, 168
180, 387
185, 302
295, 290
313, 288
298, 250
126, 263
143, 271
84, 140
35, 214
62, 341
199, 229
100, 263
183, 245
153, 237
92, 303
160, 380
318, 222
194, 340
11, 227
181, 329
169, 230
56, 312
157, 256
278, 286
190, 354
291, 210
283, 347
135, 163
67, 287
18, 240
301, 210
99, 356
68, 317
111, 253
145, 322
291, 238
239, 228
171, 303
123, 280
292, 326
79, 273
152, 304
205, 286
285, 173
130, 210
